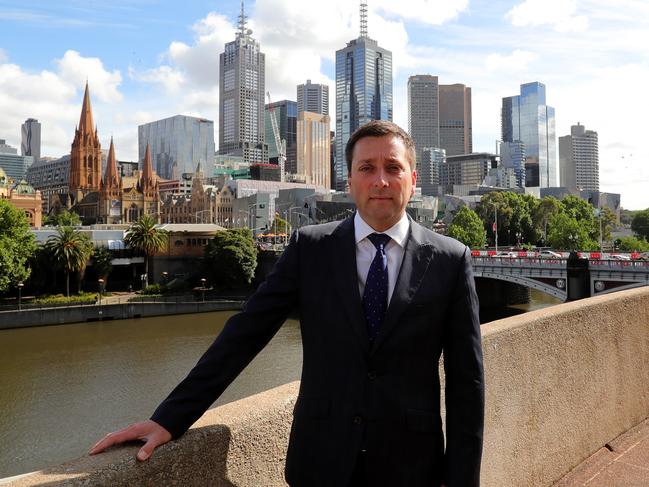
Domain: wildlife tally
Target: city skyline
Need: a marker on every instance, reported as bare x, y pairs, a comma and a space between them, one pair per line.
150, 60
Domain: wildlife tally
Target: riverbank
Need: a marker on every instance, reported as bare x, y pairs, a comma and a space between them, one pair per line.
110, 310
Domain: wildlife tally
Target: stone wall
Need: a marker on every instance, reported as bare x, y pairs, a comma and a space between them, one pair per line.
561, 383
80, 314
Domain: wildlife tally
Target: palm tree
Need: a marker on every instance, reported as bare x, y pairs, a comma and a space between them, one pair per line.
145, 237
71, 250
101, 261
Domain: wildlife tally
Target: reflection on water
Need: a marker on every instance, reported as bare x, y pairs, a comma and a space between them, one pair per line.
538, 300
63, 387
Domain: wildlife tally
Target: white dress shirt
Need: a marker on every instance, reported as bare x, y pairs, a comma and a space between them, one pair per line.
365, 250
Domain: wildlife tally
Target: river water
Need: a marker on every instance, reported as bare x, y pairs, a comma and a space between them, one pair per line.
64, 387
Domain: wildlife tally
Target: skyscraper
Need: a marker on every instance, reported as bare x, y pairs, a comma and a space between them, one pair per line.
428, 178
31, 139
363, 91
512, 156
423, 113
313, 146
313, 97
177, 144
286, 116
455, 120
579, 159
526, 118
241, 97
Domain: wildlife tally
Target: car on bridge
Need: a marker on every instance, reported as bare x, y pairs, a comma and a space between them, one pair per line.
550, 254
506, 254
619, 257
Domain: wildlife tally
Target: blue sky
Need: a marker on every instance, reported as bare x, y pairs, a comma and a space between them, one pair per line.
148, 59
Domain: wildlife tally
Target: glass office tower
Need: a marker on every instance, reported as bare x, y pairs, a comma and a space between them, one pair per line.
527, 119
177, 144
363, 93
286, 116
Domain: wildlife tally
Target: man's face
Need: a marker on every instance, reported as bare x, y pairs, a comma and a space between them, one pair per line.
381, 180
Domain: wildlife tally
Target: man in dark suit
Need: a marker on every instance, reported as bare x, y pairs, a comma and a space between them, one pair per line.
380, 298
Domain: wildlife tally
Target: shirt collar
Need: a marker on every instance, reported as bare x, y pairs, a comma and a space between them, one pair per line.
397, 232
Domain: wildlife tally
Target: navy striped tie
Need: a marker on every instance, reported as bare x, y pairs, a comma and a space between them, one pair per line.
375, 296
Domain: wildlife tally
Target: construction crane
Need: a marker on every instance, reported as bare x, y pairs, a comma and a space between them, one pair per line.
279, 142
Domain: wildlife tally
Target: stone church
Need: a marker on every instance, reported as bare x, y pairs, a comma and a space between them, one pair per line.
111, 199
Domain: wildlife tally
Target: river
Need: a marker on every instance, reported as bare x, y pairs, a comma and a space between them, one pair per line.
64, 387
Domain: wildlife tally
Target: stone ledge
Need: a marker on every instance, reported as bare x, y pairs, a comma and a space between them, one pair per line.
240, 443
562, 382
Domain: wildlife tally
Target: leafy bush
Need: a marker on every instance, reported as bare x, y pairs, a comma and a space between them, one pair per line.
152, 289
81, 298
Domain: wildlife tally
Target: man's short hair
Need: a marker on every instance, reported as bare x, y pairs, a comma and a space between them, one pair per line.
379, 128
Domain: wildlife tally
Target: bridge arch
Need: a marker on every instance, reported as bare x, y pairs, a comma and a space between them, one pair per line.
527, 282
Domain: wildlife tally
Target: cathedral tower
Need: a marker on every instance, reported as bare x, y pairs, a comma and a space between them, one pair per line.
85, 156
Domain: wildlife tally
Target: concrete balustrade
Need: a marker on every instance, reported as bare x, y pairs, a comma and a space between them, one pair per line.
561, 383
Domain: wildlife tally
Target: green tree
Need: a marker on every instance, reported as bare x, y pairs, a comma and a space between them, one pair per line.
542, 215
468, 228
629, 244
231, 257
626, 216
144, 237
16, 246
279, 225
70, 250
490, 204
101, 261
640, 224
608, 223
567, 233
64, 219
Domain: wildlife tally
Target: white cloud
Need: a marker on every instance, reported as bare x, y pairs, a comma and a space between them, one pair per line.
169, 78
518, 60
560, 14
54, 98
76, 69
433, 12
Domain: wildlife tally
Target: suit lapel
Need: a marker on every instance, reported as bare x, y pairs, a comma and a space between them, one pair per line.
416, 259
344, 271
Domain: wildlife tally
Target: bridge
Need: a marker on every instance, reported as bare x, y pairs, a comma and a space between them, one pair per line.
593, 274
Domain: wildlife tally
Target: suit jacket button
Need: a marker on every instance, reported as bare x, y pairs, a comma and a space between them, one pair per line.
358, 420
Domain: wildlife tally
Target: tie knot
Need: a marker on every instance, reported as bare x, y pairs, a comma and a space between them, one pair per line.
380, 240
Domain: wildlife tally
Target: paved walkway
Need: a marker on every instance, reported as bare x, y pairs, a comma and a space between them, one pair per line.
624, 462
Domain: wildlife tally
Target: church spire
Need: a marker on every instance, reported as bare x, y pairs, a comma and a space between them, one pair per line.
86, 123
147, 182
111, 177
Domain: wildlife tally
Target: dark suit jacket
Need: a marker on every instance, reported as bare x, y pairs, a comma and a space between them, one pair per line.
383, 398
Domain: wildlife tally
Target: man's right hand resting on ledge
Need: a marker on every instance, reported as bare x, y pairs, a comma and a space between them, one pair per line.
148, 431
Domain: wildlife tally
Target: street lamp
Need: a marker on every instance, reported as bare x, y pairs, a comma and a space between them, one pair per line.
518, 239
165, 276
101, 287
20, 295
203, 280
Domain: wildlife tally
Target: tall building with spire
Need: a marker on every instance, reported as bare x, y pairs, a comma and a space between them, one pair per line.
363, 90
85, 155
241, 97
